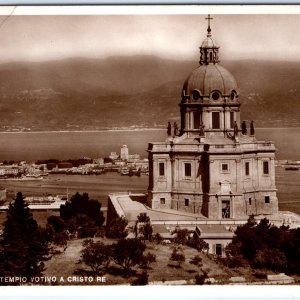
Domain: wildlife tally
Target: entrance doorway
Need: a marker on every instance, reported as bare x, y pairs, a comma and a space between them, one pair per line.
219, 249
225, 209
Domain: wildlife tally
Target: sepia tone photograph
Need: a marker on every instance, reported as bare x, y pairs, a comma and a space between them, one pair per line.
143, 147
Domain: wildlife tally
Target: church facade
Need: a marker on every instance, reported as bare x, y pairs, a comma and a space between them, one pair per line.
211, 166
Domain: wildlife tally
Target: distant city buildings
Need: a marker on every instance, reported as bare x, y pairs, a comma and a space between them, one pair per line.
113, 155
83, 166
11, 170
98, 161
124, 152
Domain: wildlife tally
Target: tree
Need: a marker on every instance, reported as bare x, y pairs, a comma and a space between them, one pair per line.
177, 255
24, 244
197, 261
261, 245
146, 230
142, 279
56, 223
234, 257
198, 243
96, 255
117, 228
273, 259
60, 239
143, 218
127, 253
57, 234
81, 204
157, 238
108, 160
244, 236
82, 215
182, 236
147, 259
200, 279
291, 249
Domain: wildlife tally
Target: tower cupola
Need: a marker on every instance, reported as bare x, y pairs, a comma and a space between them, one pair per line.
209, 50
209, 101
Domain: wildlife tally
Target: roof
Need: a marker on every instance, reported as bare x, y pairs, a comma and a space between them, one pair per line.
209, 43
209, 78
126, 207
215, 231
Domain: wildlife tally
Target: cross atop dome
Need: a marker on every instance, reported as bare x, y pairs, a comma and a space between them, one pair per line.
209, 50
208, 28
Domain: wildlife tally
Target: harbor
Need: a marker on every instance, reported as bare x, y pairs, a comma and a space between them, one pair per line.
41, 202
289, 165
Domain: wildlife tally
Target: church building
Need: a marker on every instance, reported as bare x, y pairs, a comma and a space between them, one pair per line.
213, 164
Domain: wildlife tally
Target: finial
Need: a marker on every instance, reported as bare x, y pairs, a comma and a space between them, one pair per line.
208, 28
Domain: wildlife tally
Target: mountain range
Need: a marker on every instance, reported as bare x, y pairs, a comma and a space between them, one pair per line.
133, 92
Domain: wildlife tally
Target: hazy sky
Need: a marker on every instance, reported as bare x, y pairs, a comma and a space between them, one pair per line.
170, 36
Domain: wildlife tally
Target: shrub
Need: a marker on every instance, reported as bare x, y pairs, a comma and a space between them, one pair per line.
147, 260
143, 218
56, 223
178, 256
127, 253
96, 255
197, 261
260, 275
60, 239
272, 259
142, 279
117, 228
146, 230
181, 236
198, 243
157, 238
200, 279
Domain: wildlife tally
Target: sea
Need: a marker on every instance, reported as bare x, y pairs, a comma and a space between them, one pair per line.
33, 146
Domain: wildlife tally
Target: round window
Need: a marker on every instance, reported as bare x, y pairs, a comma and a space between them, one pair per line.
232, 95
196, 95
215, 95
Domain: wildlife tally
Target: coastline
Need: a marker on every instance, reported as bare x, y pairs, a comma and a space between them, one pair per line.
123, 130
88, 131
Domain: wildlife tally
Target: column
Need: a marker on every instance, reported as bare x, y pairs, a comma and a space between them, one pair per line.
191, 119
187, 120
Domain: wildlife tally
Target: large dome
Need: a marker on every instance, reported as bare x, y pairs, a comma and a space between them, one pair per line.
210, 78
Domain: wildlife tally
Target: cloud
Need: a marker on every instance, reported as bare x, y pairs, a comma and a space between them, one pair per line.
40, 38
